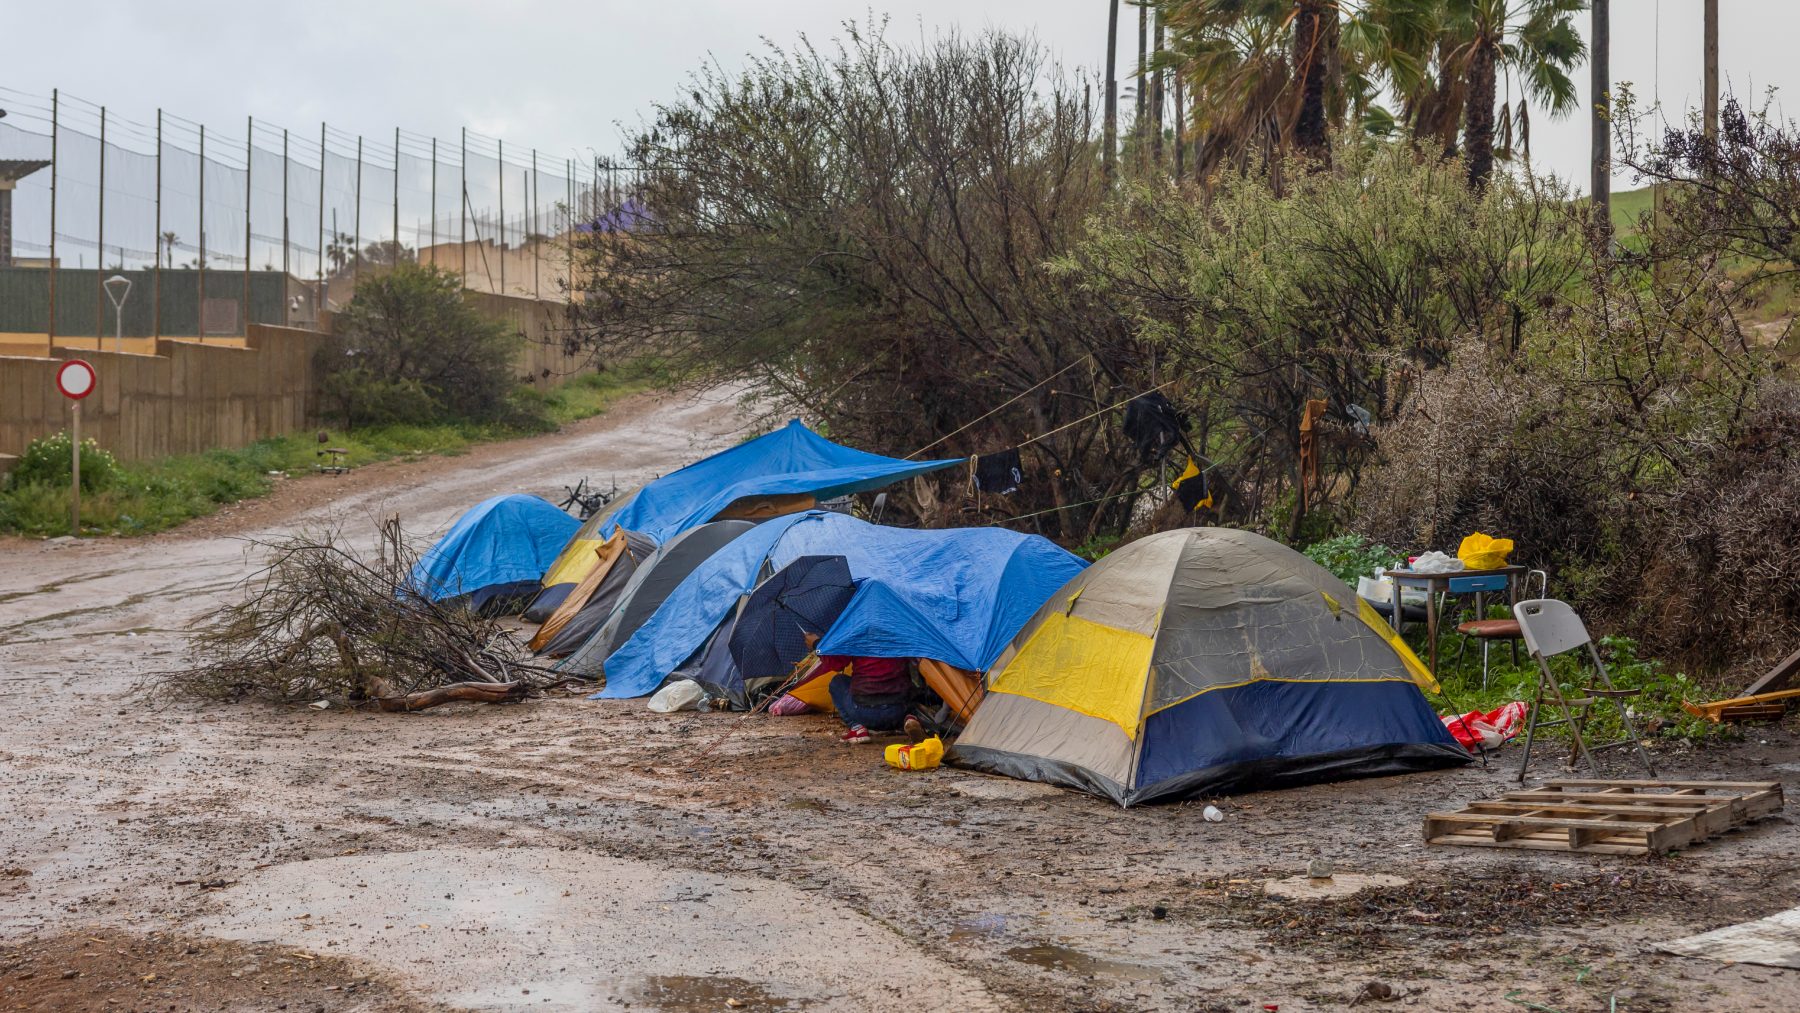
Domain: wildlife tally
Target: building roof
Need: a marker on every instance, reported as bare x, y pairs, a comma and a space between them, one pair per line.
18, 168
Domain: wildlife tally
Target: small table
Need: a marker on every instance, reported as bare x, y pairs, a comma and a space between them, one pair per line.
1480, 583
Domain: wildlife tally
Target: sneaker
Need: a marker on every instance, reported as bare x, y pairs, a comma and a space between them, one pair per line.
914, 728
853, 735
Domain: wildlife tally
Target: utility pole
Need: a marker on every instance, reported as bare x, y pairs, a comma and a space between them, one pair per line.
1110, 156
319, 293
462, 207
1711, 126
1600, 88
397, 197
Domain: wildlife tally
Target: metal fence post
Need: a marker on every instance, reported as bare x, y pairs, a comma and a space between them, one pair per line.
462, 206
100, 245
55, 108
286, 171
319, 293
537, 229
434, 250
249, 160
396, 250
156, 284
501, 245
200, 275
356, 272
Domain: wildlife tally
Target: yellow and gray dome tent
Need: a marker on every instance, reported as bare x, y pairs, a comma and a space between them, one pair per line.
577, 560
1198, 662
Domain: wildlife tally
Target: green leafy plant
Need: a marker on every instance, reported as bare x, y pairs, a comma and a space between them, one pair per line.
1351, 556
47, 460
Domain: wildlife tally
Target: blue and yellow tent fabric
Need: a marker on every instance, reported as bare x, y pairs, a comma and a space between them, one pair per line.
1198, 662
500, 547
956, 595
792, 468
577, 560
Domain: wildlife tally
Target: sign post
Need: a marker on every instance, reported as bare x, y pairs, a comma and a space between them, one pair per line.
75, 378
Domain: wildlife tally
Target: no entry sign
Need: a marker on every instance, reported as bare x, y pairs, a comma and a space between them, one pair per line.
75, 379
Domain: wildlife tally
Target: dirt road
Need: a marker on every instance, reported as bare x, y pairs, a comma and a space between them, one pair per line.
570, 855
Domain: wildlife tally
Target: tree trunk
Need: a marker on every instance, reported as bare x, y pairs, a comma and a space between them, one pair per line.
1110, 157
1600, 112
1478, 115
1142, 66
1311, 55
1156, 103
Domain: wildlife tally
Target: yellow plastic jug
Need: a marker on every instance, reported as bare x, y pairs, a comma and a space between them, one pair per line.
1484, 552
923, 756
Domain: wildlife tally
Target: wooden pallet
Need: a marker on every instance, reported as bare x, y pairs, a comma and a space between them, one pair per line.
1606, 817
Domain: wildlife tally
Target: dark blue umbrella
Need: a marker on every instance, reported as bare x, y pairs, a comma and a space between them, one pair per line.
805, 596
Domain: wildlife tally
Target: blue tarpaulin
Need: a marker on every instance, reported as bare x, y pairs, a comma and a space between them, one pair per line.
790, 460
956, 595
504, 540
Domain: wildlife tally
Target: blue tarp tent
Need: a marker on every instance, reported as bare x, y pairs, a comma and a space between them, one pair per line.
956, 595
788, 461
499, 544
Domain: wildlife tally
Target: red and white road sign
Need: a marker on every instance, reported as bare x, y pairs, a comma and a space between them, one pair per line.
75, 379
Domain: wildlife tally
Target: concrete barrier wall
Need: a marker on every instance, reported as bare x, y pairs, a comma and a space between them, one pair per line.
186, 398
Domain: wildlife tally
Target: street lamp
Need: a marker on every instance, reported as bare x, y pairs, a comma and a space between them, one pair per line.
118, 287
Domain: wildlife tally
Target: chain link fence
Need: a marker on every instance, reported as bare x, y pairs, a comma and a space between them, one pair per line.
216, 229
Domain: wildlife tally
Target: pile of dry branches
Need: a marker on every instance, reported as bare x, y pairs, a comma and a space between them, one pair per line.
320, 620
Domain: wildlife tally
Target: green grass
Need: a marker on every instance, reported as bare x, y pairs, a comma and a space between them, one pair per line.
1657, 707
1627, 207
150, 496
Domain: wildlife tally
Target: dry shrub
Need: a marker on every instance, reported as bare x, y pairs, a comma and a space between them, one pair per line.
321, 619
1486, 446
1721, 584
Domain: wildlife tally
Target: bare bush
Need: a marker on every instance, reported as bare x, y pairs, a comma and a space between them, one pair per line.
320, 619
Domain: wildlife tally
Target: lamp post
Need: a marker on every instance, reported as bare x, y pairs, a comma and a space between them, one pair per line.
118, 287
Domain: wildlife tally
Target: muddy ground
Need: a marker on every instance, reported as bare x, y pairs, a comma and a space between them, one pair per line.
569, 855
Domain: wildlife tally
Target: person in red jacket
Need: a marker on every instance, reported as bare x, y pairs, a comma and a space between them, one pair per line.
875, 694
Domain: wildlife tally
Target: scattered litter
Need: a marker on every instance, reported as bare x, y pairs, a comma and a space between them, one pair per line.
680, 695
320, 705
1212, 814
1773, 941
1320, 868
1309, 887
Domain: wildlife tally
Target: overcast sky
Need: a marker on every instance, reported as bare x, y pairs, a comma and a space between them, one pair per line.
562, 75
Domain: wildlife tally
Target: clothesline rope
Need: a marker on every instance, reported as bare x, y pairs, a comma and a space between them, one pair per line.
1132, 492
1002, 405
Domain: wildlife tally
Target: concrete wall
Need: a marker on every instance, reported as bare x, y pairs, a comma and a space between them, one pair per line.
186, 398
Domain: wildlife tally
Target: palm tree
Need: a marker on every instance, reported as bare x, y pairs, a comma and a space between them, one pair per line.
1263, 76
169, 239
1445, 58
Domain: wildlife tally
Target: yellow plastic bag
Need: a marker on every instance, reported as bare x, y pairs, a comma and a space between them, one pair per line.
923, 756
1484, 552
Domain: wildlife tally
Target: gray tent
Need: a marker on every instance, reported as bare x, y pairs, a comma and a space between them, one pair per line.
649, 587
601, 602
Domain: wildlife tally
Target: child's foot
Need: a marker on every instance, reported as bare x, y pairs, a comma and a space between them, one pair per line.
914, 728
853, 735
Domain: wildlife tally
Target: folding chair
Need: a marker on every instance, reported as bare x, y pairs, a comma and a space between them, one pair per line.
1549, 628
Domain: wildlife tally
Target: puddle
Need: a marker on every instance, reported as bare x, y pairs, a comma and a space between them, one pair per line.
982, 928
1342, 884
686, 993
1062, 958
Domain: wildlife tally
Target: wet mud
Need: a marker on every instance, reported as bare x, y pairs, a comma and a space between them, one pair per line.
563, 854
